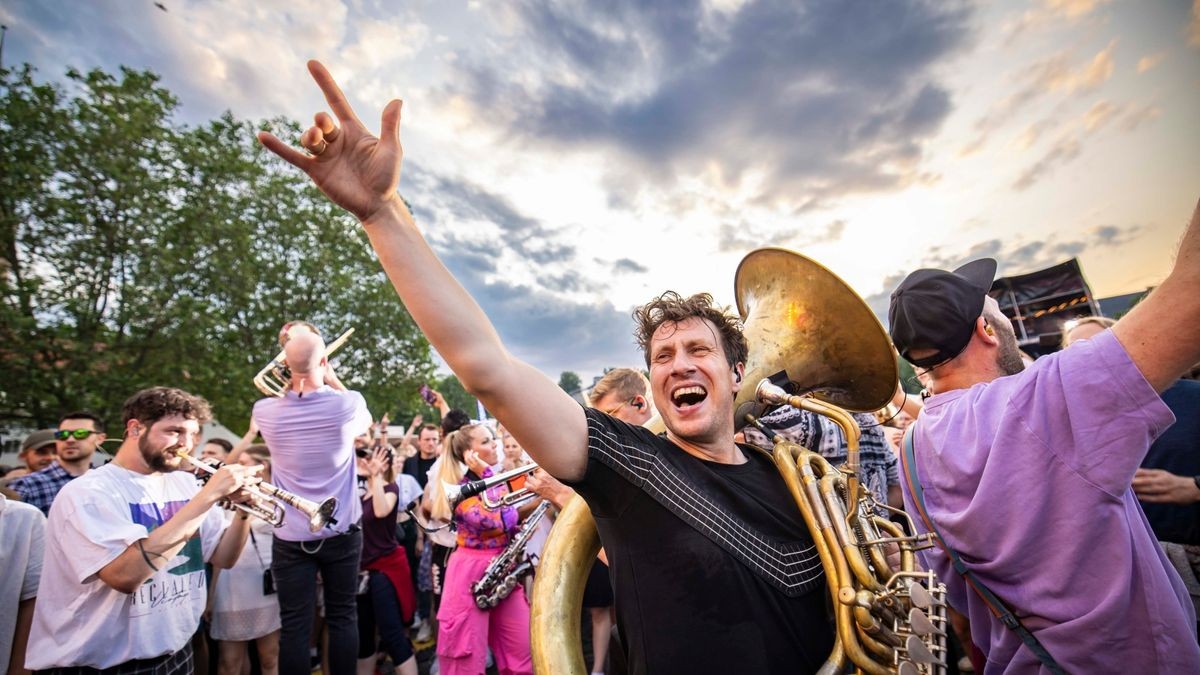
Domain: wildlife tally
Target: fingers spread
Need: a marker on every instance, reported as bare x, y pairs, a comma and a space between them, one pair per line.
285, 151
333, 94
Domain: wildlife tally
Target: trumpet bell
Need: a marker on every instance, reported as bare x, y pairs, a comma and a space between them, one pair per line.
803, 321
322, 515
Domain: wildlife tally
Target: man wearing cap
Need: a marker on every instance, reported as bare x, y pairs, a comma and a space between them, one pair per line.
78, 436
1026, 473
37, 452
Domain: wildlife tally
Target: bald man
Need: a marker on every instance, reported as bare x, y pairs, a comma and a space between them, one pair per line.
311, 431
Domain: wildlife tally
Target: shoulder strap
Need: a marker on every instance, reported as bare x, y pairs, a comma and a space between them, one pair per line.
994, 604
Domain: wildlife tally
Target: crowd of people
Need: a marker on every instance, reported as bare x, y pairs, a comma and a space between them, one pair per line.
1062, 493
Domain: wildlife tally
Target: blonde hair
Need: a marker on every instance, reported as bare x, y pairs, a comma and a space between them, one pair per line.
451, 469
626, 383
1102, 321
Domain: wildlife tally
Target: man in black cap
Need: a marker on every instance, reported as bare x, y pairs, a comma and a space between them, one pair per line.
1026, 473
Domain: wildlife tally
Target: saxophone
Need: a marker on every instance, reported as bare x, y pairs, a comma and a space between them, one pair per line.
508, 569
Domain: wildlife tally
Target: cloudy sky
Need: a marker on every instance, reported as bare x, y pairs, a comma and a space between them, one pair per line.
571, 159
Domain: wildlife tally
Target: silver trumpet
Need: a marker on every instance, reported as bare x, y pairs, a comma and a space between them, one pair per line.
456, 493
269, 500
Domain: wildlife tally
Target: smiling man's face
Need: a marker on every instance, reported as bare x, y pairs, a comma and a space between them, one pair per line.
693, 384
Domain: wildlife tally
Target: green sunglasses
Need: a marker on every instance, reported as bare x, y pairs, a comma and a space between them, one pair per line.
79, 434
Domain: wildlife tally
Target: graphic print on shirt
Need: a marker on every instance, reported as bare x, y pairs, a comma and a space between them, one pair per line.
181, 576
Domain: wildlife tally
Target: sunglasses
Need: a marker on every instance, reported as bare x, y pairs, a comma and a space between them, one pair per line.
78, 434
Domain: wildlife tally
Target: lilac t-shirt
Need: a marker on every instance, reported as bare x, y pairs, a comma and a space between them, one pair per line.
1028, 477
311, 439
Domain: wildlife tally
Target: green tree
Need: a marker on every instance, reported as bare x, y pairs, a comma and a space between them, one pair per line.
570, 383
138, 251
456, 395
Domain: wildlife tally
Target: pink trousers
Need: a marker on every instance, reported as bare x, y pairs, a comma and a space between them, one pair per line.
465, 631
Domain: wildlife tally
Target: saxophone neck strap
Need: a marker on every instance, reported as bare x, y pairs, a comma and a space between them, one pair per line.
994, 604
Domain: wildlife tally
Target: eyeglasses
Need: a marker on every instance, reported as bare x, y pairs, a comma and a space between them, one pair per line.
78, 434
613, 411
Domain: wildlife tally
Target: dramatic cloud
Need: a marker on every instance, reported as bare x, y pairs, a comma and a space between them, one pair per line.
248, 57
474, 230
801, 102
1014, 257
627, 266
1073, 135
1193, 30
1049, 12
1053, 75
1147, 62
746, 237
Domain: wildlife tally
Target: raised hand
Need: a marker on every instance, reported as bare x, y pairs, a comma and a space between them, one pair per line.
377, 463
355, 169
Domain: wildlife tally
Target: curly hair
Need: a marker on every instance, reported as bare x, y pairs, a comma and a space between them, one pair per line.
150, 405
670, 307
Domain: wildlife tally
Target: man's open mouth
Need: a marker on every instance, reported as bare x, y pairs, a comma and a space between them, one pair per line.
686, 397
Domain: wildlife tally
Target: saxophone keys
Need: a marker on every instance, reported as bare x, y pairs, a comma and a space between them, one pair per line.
917, 651
921, 625
919, 596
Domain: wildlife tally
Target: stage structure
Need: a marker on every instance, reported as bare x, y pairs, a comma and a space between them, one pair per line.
1039, 303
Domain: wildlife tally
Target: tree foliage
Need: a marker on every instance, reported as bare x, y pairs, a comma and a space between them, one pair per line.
570, 382
139, 251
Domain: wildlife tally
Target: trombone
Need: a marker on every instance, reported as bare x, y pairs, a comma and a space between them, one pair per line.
269, 500
455, 494
276, 378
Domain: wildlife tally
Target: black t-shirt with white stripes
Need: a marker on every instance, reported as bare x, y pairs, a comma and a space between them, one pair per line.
713, 569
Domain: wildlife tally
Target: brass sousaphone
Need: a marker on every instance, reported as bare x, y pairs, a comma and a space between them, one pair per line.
810, 333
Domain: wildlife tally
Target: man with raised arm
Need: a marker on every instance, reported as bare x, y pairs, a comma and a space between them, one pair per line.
1026, 472
713, 568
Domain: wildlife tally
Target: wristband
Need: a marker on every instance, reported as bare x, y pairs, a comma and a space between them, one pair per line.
145, 556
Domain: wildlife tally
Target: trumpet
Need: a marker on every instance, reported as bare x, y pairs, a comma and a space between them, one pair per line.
457, 493
269, 500
276, 378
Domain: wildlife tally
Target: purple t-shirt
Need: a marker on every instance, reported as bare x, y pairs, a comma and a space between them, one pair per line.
1028, 477
311, 438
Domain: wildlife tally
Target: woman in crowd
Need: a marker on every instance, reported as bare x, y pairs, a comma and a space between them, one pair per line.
464, 631
244, 605
387, 602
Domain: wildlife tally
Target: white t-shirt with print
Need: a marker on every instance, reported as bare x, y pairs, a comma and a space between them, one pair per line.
79, 620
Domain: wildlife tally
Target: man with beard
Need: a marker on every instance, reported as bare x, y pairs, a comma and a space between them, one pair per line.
713, 568
123, 579
1027, 472
78, 436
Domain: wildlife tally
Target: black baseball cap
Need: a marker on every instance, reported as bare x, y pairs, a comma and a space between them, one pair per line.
936, 309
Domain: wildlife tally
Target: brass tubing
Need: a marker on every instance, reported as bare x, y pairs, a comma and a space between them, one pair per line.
818, 525
568, 555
